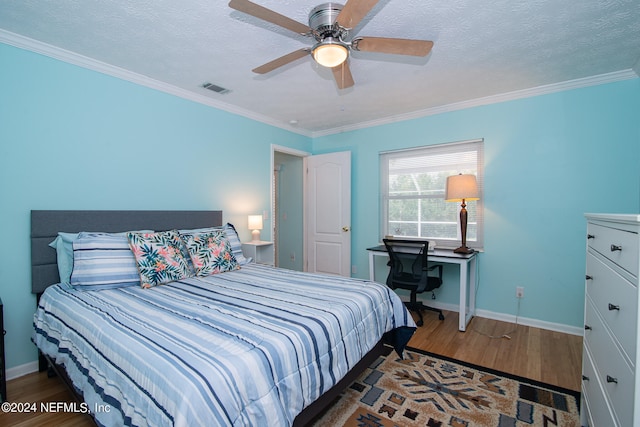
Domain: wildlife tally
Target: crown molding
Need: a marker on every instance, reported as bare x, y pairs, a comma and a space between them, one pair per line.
73, 58
54, 52
615, 76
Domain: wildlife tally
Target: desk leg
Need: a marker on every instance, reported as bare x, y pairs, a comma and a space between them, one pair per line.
472, 289
372, 267
467, 285
462, 314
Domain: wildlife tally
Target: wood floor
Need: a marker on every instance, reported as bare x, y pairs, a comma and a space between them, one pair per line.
541, 355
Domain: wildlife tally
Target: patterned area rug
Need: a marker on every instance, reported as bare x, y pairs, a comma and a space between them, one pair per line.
427, 390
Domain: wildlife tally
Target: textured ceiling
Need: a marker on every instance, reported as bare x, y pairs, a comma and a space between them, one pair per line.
482, 48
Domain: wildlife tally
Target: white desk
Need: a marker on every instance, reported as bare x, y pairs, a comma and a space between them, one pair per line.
467, 263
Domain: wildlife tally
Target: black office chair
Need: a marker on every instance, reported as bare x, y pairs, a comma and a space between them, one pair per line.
410, 270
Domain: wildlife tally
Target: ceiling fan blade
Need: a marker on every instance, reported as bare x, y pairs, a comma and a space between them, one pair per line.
342, 75
269, 15
283, 60
394, 46
353, 12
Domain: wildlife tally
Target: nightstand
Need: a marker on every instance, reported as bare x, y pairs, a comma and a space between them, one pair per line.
260, 251
3, 374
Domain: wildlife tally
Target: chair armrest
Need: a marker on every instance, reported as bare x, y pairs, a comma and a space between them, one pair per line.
434, 267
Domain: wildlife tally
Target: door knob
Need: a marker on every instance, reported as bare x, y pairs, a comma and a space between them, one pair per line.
345, 228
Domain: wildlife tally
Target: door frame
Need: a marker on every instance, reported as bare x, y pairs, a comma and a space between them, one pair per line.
297, 153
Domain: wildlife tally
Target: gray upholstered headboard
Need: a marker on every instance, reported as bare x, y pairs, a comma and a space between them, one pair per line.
45, 226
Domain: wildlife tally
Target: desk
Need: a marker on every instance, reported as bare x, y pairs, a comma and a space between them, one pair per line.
467, 264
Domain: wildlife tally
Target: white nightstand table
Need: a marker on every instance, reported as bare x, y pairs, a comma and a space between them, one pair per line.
260, 251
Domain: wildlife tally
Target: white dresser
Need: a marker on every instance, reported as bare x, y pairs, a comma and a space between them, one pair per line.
610, 384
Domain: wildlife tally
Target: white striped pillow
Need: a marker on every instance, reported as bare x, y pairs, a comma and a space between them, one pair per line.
103, 261
236, 245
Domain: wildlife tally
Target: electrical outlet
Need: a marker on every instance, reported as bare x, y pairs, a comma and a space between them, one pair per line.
519, 292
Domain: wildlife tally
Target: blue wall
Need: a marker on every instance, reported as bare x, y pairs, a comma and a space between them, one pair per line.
71, 138
548, 160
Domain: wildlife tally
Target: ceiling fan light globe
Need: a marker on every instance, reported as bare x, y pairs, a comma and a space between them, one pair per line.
329, 54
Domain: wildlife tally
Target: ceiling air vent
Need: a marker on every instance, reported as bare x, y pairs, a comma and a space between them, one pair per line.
215, 88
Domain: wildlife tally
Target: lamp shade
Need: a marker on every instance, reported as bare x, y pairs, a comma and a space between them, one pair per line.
255, 222
461, 187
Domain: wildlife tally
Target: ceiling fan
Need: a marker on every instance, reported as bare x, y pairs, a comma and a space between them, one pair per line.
330, 24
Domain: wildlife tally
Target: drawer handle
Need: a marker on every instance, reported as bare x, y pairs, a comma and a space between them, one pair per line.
585, 378
613, 307
616, 248
587, 277
610, 379
587, 328
590, 236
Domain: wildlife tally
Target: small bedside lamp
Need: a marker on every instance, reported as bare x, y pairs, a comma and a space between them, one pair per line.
255, 224
461, 188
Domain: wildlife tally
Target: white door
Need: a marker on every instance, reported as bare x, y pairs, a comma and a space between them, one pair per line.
328, 213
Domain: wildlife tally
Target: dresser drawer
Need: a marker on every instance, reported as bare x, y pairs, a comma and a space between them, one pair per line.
597, 408
610, 365
608, 290
620, 246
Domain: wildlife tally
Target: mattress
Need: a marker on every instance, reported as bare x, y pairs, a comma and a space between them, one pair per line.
253, 346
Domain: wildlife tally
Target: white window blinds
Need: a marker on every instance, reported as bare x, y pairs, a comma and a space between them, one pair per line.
413, 189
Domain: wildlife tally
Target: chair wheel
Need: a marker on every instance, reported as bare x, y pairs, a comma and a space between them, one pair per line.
441, 316
419, 323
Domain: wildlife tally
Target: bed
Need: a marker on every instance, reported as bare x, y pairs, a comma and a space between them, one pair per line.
255, 345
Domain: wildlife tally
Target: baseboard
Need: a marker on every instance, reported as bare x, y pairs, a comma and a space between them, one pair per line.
21, 370
536, 323
510, 318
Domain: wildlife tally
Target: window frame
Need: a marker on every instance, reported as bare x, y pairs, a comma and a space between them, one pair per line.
452, 148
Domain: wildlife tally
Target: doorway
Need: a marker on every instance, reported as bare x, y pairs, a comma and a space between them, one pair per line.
287, 206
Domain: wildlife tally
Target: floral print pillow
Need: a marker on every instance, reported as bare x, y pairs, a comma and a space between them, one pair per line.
210, 252
158, 257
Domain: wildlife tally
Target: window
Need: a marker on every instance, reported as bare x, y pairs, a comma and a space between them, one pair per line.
413, 187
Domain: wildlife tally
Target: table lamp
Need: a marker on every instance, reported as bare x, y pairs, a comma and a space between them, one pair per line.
459, 189
255, 224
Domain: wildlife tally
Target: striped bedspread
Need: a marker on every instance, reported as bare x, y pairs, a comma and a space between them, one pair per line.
249, 347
